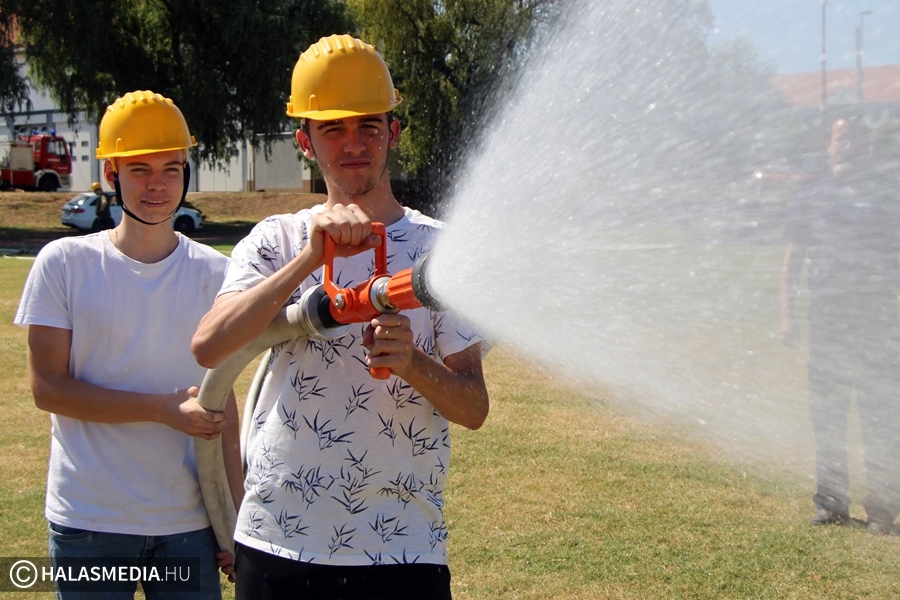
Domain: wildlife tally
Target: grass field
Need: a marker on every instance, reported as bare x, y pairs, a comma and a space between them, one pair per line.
562, 494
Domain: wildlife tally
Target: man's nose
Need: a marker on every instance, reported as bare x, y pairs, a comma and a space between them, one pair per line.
156, 180
354, 143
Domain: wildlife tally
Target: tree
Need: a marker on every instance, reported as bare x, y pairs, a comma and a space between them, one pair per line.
13, 87
447, 58
227, 65
747, 105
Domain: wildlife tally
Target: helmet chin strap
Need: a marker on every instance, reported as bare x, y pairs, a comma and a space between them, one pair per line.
187, 181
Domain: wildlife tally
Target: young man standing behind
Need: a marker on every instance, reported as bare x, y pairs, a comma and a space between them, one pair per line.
110, 316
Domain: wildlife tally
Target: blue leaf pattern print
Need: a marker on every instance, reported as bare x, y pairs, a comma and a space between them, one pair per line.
344, 469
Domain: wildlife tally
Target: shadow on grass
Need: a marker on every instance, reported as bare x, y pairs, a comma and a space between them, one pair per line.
27, 241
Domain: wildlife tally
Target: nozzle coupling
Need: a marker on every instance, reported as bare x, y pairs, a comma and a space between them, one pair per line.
315, 316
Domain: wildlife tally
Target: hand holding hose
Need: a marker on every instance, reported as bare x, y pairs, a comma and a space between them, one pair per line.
185, 414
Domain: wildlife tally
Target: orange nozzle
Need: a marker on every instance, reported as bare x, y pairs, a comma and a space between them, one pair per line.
396, 293
378, 295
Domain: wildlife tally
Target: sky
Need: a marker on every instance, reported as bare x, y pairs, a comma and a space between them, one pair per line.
788, 33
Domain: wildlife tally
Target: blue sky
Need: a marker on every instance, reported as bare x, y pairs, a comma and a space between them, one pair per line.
788, 33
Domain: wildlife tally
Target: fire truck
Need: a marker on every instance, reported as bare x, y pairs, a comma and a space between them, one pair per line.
39, 161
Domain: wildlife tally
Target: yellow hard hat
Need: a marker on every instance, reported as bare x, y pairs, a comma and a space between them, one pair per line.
140, 123
338, 77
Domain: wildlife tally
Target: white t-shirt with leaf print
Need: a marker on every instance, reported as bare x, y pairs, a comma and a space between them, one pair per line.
344, 469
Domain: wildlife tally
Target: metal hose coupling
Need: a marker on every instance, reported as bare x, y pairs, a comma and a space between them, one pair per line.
315, 317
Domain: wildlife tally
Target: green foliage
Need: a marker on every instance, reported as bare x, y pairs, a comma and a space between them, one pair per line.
13, 87
756, 125
226, 64
448, 59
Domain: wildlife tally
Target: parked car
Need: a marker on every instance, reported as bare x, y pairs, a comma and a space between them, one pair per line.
81, 213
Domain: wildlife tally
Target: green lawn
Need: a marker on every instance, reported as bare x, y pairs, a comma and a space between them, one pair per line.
562, 494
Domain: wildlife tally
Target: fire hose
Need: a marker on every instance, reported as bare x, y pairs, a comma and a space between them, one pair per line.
324, 312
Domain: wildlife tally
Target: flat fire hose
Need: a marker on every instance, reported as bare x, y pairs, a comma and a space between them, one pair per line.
213, 396
247, 423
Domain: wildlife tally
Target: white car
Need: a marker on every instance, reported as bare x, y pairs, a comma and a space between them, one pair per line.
81, 213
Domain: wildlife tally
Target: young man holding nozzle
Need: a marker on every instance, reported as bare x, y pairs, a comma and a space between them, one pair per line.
110, 317
346, 473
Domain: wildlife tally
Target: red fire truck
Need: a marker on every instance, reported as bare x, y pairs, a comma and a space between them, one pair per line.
40, 161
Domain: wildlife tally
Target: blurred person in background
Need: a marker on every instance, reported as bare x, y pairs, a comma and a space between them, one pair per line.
104, 215
844, 228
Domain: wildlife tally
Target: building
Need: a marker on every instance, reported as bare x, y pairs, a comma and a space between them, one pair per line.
877, 98
247, 170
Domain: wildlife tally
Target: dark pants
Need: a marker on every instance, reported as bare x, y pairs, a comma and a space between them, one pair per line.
846, 358
262, 576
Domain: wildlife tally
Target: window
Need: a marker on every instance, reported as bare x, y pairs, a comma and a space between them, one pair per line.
55, 147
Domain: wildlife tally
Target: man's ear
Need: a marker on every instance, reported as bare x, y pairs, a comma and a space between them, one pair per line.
305, 145
394, 131
108, 173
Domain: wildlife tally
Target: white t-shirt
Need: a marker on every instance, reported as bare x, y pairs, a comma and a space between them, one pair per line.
344, 469
131, 326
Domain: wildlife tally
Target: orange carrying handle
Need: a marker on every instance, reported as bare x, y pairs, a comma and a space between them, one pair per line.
354, 305
353, 311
